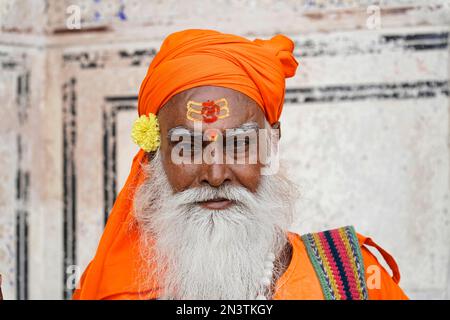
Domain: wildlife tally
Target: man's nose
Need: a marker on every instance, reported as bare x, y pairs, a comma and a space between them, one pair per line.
216, 174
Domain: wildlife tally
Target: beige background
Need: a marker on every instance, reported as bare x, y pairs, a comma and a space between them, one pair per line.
365, 124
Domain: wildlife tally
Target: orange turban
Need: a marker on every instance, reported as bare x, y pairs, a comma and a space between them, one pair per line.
193, 58
186, 59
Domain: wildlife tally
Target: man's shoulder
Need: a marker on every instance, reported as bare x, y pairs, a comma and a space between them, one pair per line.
332, 243
335, 236
343, 249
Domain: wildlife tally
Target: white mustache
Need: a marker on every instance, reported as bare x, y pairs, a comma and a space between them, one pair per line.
237, 194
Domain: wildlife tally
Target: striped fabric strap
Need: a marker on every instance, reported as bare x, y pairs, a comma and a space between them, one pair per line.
337, 260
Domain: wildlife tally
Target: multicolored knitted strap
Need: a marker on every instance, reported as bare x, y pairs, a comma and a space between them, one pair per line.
337, 259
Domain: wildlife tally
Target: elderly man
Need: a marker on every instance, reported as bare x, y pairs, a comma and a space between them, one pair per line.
205, 211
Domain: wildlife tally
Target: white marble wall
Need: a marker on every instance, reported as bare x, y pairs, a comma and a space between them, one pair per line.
365, 124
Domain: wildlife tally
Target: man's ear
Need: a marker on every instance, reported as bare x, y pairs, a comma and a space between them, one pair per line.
277, 126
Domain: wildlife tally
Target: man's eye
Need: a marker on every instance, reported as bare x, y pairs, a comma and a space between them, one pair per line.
190, 147
239, 146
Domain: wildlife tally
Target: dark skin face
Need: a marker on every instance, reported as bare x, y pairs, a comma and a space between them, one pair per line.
184, 176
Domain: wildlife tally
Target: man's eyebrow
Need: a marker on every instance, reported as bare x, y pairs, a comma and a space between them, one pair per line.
179, 131
244, 128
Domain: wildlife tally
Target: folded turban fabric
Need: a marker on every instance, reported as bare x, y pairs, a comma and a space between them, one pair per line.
186, 59
194, 58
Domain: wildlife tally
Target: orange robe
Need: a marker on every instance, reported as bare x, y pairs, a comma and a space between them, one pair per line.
300, 282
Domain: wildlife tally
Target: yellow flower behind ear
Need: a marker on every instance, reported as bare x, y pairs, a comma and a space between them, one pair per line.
145, 132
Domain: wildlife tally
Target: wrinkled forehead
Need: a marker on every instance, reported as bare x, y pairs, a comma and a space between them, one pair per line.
210, 107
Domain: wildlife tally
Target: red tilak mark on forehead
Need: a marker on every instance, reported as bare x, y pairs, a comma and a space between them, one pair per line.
212, 136
209, 112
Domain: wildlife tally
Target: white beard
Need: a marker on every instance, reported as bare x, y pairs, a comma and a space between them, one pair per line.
212, 254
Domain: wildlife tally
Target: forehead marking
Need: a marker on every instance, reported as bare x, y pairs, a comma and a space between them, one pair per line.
208, 111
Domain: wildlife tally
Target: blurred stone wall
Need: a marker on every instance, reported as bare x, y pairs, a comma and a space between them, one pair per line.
365, 124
